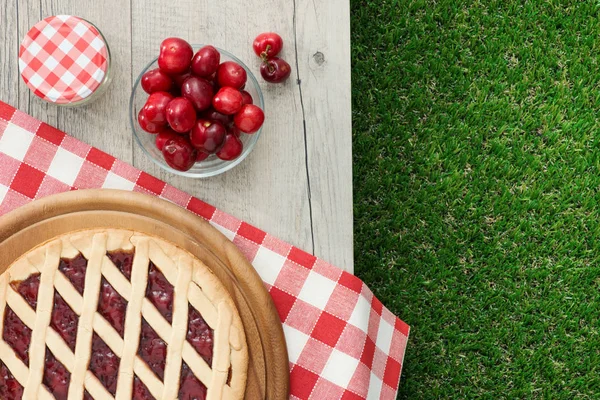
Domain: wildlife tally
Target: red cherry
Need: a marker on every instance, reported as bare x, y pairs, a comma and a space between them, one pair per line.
175, 56
231, 74
201, 156
234, 130
213, 81
179, 153
232, 148
246, 97
267, 45
206, 61
181, 115
163, 136
228, 100
155, 108
207, 136
180, 78
149, 127
275, 70
212, 115
156, 81
249, 119
199, 91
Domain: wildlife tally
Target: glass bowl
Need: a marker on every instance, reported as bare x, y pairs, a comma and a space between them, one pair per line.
212, 165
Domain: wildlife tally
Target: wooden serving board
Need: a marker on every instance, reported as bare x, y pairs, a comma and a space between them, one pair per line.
41, 220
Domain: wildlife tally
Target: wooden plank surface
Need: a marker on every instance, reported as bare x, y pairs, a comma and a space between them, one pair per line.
297, 183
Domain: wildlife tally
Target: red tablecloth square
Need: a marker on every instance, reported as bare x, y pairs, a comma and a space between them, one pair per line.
328, 329
100, 158
27, 180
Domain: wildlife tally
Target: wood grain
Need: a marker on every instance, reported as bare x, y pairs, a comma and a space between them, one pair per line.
297, 183
324, 65
40, 221
9, 70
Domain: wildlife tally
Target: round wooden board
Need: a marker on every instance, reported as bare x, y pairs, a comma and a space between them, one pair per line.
41, 220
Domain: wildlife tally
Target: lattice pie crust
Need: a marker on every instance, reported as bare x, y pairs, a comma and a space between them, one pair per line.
193, 284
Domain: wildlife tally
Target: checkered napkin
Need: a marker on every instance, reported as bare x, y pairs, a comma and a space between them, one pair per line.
342, 342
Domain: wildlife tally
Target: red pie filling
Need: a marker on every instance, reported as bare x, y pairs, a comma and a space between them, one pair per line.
160, 292
123, 260
112, 306
200, 335
152, 349
190, 388
74, 269
28, 289
64, 321
56, 377
104, 363
16, 334
140, 391
10, 388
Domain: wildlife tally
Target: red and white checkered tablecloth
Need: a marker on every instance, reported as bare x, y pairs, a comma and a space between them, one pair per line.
342, 342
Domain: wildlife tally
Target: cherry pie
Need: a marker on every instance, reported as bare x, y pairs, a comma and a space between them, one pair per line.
103, 314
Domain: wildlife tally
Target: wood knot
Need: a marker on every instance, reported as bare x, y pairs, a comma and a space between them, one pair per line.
319, 58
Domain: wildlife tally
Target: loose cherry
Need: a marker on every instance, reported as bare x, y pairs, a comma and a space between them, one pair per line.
212, 115
267, 45
206, 61
163, 136
146, 125
175, 56
231, 74
179, 153
207, 136
228, 100
201, 156
275, 70
232, 148
249, 119
156, 81
181, 115
155, 108
246, 97
199, 91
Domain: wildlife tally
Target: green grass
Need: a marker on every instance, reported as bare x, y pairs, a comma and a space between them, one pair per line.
477, 188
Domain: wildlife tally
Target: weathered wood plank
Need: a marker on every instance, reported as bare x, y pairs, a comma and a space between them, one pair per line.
9, 70
323, 39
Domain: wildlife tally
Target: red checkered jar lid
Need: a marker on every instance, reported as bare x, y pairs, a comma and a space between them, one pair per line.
64, 60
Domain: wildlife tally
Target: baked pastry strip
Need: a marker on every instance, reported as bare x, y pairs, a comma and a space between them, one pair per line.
83, 347
37, 348
179, 328
133, 321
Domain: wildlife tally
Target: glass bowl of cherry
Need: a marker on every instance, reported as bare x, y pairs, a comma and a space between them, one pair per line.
196, 111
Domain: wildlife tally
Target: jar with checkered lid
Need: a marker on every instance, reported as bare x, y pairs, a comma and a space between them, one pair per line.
65, 60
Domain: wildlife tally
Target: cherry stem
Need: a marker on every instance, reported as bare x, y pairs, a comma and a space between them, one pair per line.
265, 54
